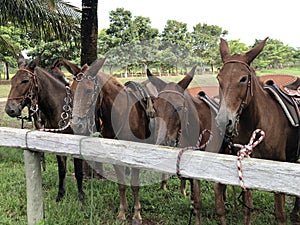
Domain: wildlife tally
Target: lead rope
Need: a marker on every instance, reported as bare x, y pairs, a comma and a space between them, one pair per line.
244, 152
194, 148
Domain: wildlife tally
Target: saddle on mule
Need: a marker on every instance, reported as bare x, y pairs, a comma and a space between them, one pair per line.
288, 96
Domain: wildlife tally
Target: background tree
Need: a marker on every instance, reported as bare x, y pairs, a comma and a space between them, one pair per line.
37, 20
275, 55
205, 43
47, 18
177, 40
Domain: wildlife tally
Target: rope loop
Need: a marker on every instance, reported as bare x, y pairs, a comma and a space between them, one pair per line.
245, 151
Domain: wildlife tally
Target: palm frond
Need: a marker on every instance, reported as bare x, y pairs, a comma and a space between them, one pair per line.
49, 18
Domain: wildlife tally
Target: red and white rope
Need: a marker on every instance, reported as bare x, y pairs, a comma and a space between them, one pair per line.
245, 151
197, 147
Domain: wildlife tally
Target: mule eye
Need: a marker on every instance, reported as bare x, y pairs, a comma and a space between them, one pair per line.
176, 110
243, 79
24, 81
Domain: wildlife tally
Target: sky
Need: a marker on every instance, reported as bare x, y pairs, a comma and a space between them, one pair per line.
244, 20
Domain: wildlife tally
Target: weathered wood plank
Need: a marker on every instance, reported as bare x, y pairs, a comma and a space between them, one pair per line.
34, 190
259, 174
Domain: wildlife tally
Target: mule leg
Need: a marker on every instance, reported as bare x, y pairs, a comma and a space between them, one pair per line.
280, 214
164, 180
79, 178
295, 215
197, 201
122, 191
135, 187
248, 206
61, 162
220, 202
183, 186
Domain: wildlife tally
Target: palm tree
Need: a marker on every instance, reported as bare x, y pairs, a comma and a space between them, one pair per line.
89, 31
48, 19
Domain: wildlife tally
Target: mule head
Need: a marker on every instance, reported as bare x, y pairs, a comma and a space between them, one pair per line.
85, 98
170, 108
236, 79
23, 87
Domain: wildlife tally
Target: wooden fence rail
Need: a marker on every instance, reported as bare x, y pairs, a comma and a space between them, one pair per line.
259, 174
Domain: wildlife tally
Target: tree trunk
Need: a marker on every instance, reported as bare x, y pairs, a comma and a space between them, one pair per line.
89, 31
89, 36
5, 70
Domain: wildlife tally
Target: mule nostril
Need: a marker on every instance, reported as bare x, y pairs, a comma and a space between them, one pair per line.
10, 112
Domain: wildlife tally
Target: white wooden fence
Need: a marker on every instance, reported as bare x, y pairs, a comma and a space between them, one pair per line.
259, 174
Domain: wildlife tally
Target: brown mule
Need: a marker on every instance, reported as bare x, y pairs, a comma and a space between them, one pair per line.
180, 119
123, 117
45, 92
245, 106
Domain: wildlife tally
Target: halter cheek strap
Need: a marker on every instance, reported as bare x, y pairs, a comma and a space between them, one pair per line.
249, 75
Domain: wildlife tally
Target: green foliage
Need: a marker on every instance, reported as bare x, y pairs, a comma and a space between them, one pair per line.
53, 50
62, 19
205, 43
275, 55
23, 25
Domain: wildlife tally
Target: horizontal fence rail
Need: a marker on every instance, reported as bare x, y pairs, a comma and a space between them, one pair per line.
266, 175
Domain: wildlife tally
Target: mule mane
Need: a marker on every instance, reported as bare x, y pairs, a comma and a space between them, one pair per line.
52, 75
115, 82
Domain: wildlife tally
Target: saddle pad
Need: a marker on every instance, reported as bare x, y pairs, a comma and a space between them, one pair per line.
214, 105
288, 104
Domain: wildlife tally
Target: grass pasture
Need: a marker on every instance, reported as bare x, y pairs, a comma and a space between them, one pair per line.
102, 198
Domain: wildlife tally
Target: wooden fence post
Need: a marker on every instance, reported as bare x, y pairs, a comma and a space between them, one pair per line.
35, 206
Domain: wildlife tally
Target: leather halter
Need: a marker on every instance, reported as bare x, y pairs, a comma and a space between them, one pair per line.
31, 93
244, 100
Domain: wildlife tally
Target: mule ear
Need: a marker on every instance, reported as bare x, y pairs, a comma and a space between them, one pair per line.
71, 67
254, 52
184, 83
31, 66
21, 61
224, 50
158, 83
95, 67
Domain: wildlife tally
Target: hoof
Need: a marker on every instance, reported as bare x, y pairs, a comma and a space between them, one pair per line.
81, 197
59, 196
137, 221
121, 217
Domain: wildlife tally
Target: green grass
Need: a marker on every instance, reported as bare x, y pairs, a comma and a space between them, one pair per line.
295, 71
102, 199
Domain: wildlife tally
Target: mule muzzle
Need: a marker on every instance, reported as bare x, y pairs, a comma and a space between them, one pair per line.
13, 109
79, 125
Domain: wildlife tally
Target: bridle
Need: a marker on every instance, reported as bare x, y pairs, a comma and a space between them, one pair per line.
32, 96
249, 89
91, 123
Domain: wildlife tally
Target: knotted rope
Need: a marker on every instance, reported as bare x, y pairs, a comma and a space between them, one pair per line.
194, 148
245, 151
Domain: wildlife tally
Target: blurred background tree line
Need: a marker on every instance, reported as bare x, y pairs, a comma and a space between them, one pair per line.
54, 26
